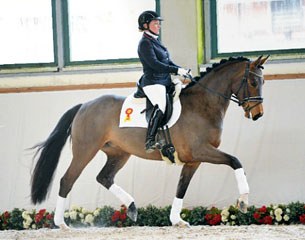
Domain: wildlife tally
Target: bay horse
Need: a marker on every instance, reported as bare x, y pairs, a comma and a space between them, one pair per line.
94, 126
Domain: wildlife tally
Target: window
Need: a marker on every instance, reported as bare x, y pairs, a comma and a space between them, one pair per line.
66, 32
26, 32
104, 29
252, 26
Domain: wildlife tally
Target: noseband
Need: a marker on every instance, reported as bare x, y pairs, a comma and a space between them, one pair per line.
243, 87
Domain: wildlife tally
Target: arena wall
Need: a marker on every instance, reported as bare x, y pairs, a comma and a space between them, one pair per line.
271, 150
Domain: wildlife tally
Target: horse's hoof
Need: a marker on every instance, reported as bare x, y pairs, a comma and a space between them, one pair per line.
242, 206
182, 224
132, 212
64, 227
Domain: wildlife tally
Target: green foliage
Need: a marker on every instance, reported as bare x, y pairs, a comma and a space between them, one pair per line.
296, 210
103, 217
16, 219
153, 216
196, 216
19, 219
245, 218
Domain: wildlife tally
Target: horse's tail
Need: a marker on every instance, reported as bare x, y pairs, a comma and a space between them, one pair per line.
49, 156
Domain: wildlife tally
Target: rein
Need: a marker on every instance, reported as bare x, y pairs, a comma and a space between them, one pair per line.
243, 86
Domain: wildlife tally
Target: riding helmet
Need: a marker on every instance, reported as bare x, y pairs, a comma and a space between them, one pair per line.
147, 17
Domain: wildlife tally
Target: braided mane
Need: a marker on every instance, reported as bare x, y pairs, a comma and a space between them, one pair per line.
216, 66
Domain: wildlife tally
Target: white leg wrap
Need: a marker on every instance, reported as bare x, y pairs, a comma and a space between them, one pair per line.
121, 194
175, 211
59, 211
242, 183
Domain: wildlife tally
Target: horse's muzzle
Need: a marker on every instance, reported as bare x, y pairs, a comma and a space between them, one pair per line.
254, 110
257, 116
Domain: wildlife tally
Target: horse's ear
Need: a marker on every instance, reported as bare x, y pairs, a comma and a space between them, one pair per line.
257, 62
264, 60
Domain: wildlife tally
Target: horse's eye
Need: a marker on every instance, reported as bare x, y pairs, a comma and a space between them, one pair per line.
254, 82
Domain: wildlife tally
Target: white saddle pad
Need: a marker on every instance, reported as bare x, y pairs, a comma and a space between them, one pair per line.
131, 115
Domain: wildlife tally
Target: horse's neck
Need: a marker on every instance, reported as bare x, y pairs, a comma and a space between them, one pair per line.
220, 84
211, 94
220, 81
215, 88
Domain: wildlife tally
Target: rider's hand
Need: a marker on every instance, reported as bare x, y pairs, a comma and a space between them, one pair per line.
184, 72
190, 75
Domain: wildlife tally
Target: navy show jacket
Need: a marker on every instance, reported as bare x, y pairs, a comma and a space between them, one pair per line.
157, 65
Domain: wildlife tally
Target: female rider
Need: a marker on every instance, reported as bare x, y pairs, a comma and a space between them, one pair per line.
157, 67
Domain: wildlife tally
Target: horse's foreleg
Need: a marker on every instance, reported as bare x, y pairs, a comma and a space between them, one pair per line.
186, 175
215, 156
243, 187
116, 160
242, 183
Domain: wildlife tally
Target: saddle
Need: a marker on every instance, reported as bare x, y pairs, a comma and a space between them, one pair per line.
164, 143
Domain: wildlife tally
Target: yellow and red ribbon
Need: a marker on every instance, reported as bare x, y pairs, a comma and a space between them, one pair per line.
128, 112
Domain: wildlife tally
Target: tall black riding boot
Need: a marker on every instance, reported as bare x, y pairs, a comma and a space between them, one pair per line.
153, 125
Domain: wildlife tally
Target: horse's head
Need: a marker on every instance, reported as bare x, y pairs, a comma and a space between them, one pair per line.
249, 91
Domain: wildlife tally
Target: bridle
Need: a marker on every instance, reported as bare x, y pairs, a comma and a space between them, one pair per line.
244, 86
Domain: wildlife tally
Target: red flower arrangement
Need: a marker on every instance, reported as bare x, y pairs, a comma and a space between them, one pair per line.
262, 216
119, 216
302, 218
213, 217
43, 219
5, 220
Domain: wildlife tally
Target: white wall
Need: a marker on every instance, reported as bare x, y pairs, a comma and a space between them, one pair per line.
179, 32
271, 150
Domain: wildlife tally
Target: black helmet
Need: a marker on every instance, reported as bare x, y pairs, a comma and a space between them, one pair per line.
147, 17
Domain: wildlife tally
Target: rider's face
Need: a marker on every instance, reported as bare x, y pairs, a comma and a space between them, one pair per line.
155, 26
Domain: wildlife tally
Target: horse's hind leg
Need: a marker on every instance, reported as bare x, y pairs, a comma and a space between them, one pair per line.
82, 155
115, 161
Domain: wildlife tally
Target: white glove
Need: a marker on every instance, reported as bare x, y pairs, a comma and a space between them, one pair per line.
176, 81
183, 72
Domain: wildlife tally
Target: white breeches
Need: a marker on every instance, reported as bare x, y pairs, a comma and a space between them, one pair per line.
157, 95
